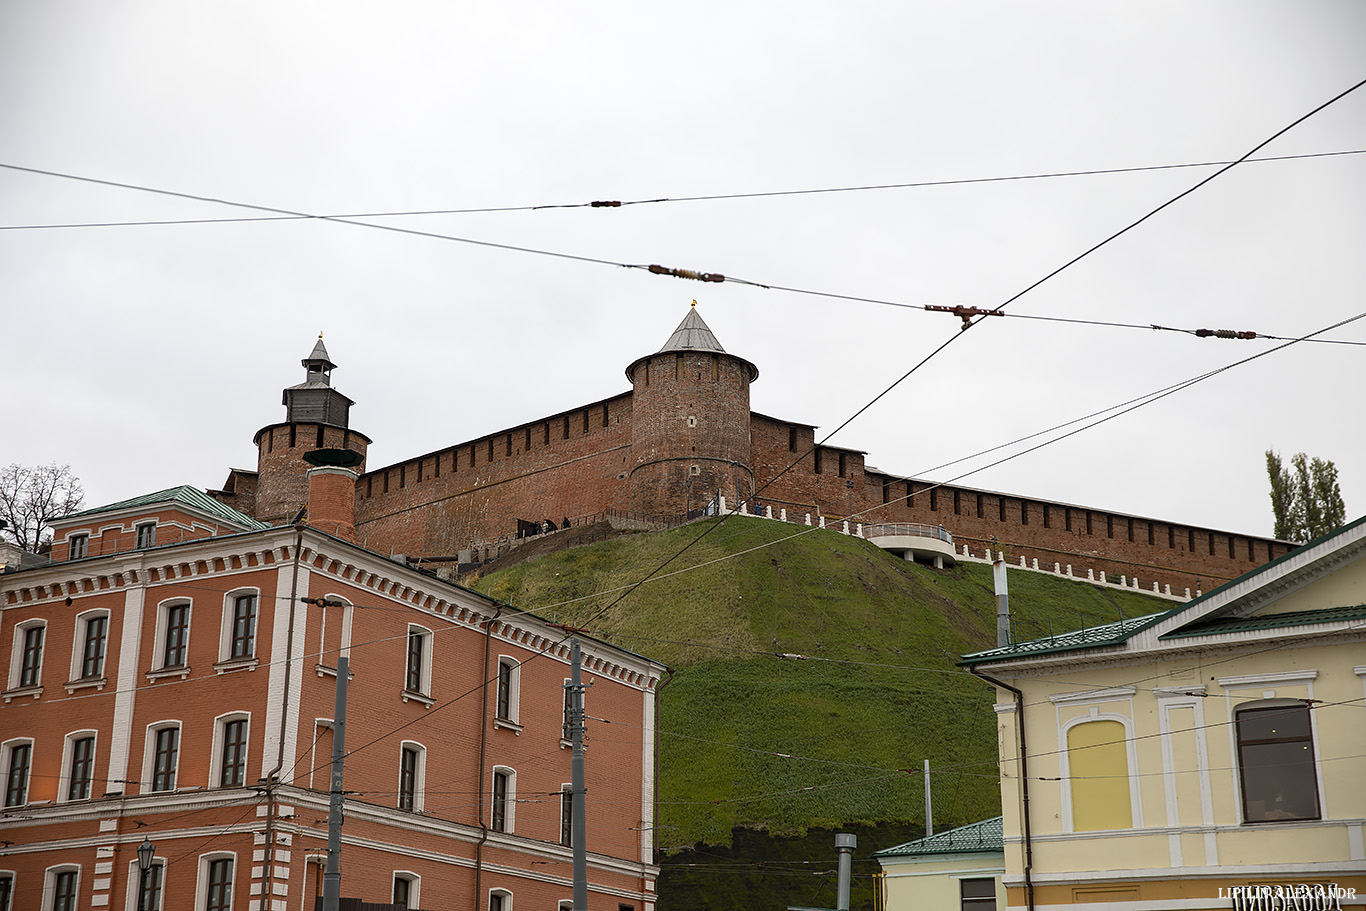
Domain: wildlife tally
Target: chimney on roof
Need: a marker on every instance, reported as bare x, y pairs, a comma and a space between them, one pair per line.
332, 500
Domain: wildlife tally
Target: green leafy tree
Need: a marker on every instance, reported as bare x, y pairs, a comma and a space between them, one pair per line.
1305, 499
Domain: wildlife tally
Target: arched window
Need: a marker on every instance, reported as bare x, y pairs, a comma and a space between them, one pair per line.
61, 886
237, 637
412, 770
17, 756
1276, 766
504, 799
1098, 769
78, 767
507, 705
26, 661
88, 651
407, 889
214, 888
228, 765
161, 756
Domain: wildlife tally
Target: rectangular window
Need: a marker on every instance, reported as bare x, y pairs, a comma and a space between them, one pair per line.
234, 773
505, 690
146, 535
402, 890
1276, 763
82, 768
1024, 513
934, 499
1151, 538
977, 894
497, 901
1210, 536
92, 650
1047, 516
165, 751
16, 781
219, 895
816, 459
1230, 547
566, 816
402, 476
1190, 539
792, 439
31, 665
413, 680
151, 888
80, 545
1131, 531
64, 891
1109, 526
1001, 505
421, 463
1067, 518
500, 801
177, 635
1088, 522
1249, 550
567, 723
957, 506
980, 513
842, 464
243, 627
509, 440
1171, 536
585, 420
407, 779
528, 439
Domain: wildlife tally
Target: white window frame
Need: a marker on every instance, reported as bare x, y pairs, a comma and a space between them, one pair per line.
225, 632
12, 876
6, 759
50, 884
138, 533
1130, 759
135, 880
201, 886
220, 736
16, 665
72, 538
78, 644
1270, 700
159, 637
149, 754
510, 810
68, 755
506, 896
414, 887
419, 776
425, 672
512, 720
566, 791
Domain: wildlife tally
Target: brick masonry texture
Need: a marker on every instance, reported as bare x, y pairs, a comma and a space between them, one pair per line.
683, 434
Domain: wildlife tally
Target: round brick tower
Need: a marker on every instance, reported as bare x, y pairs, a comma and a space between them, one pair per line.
690, 423
316, 417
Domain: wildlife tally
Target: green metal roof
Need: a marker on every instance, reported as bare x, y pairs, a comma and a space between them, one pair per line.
185, 495
975, 837
1120, 631
1269, 621
1091, 637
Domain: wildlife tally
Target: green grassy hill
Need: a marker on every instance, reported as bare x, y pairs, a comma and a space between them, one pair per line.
753, 741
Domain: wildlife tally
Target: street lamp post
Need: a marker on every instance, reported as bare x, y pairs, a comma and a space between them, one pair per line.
146, 853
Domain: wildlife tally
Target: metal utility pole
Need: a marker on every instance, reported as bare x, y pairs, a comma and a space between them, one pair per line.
845, 844
332, 874
579, 827
929, 818
998, 574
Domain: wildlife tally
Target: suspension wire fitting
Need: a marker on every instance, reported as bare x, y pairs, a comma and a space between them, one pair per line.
688, 273
1223, 333
964, 313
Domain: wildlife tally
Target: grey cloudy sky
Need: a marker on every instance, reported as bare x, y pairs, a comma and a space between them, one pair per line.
148, 356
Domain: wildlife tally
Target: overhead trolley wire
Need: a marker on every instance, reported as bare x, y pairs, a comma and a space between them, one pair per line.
616, 204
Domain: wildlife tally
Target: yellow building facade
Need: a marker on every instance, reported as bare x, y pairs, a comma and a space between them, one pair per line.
1212, 756
957, 870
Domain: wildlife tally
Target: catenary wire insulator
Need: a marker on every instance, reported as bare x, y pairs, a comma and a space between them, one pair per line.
688, 273
606, 203
964, 313
1224, 333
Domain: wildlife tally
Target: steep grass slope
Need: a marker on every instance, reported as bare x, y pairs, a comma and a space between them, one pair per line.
751, 740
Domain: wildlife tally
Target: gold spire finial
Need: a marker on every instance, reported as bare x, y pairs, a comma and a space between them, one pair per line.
694, 304
320, 336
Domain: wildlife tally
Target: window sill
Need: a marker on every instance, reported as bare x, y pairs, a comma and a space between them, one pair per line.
507, 725
236, 664
325, 671
182, 671
98, 683
409, 695
34, 691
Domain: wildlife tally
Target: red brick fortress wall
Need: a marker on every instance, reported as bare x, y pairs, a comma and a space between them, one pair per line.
568, 465
1152, 550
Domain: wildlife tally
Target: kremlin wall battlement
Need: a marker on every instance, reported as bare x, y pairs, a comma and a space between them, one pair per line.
683, 435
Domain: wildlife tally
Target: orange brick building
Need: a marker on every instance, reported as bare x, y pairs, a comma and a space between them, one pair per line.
170, 676
682, 436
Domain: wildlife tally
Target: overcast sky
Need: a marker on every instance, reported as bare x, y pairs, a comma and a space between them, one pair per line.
147, 356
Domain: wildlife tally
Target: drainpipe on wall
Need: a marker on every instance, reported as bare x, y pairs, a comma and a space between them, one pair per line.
483, 757
1024, 782
272, 782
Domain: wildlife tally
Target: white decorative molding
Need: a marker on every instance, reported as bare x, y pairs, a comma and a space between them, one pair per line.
1087, 697
1284, 678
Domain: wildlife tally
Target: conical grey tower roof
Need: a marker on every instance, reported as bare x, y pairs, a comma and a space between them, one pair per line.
693, 334
319, 356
